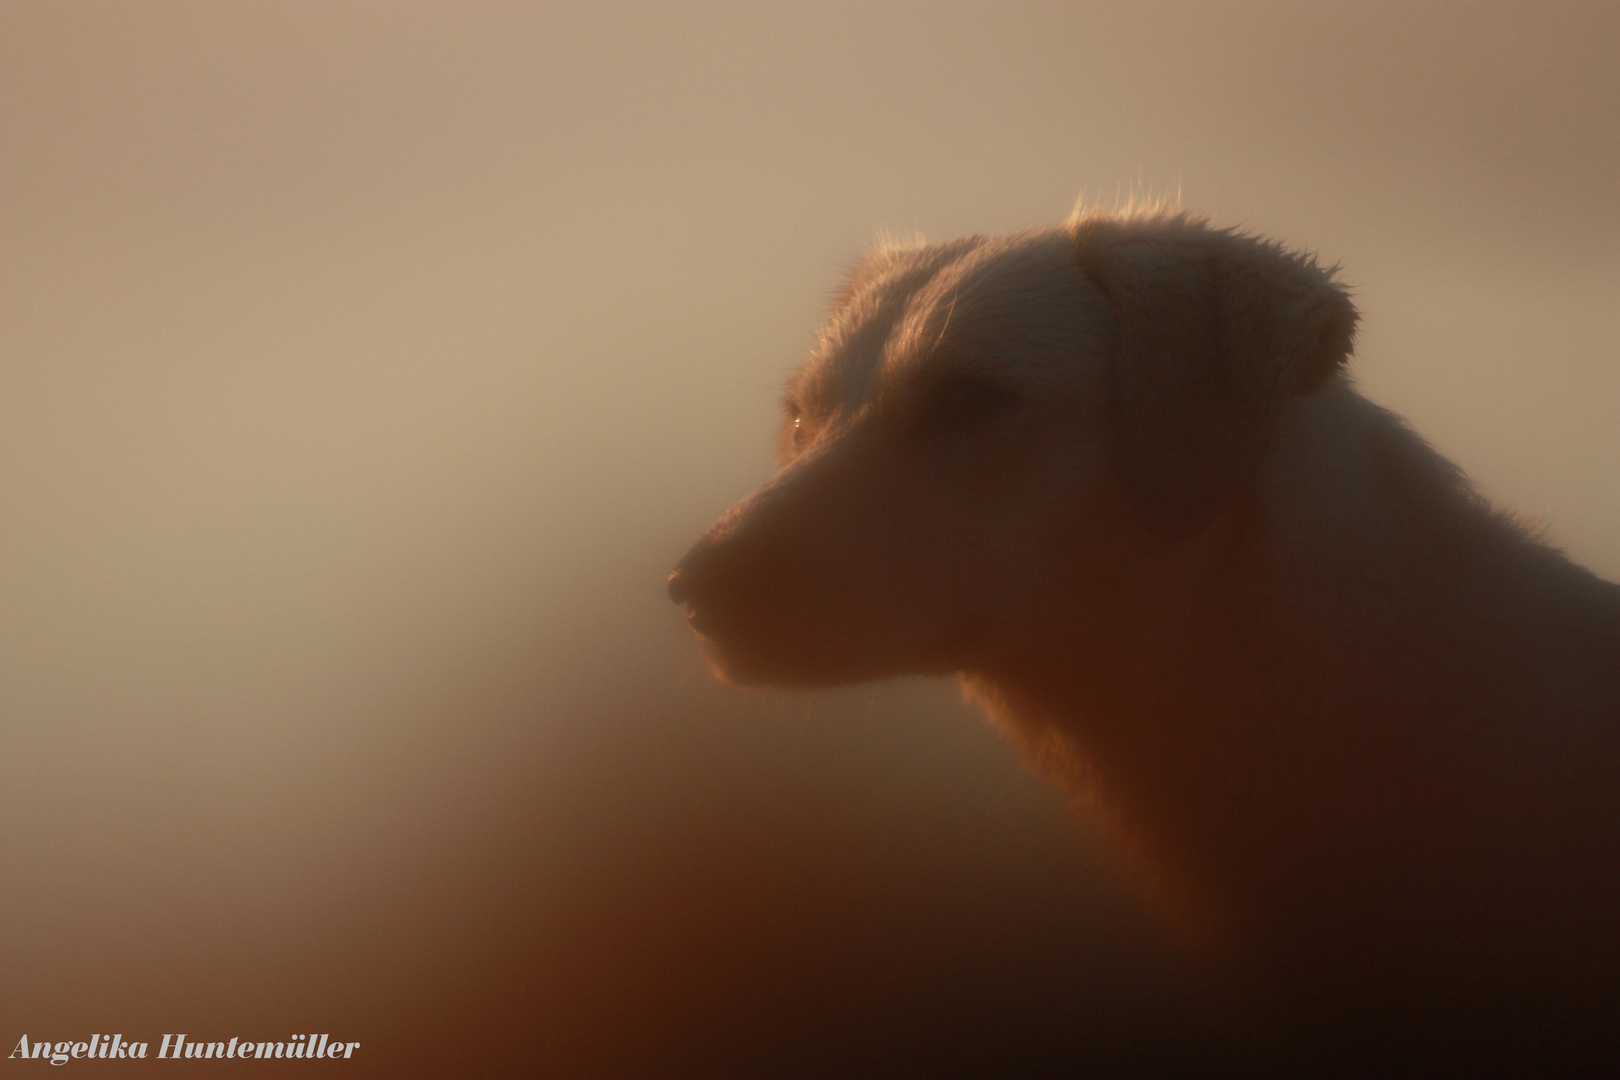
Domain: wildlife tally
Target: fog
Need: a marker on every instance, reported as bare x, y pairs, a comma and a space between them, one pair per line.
364, 368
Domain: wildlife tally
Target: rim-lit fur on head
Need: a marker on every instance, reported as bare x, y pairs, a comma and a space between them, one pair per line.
1111, 473
1216, 331
1141, 360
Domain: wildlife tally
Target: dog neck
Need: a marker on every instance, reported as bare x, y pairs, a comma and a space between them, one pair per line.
1305, 715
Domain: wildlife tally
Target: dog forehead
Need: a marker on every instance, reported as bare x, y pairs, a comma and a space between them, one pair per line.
844, 368
1004, 291
904, 307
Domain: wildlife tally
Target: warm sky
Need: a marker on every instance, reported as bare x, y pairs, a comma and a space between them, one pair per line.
363, 368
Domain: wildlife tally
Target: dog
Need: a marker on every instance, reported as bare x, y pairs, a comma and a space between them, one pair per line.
1353, 732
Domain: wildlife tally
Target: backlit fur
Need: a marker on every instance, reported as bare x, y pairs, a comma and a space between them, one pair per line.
1352, 730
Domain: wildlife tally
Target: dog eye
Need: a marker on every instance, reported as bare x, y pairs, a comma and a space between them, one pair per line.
797, 432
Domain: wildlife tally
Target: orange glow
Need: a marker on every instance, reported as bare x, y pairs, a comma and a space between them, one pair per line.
364, 369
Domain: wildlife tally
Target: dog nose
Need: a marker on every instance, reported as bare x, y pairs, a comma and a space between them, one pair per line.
680, 585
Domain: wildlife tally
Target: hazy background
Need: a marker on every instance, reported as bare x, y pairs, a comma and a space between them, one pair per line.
365, 367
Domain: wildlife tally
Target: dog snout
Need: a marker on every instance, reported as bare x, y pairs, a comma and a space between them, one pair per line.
693, 575
728, 554
698, 582
683, 590
680, 585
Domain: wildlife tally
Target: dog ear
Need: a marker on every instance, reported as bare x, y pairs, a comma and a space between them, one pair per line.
1215, 331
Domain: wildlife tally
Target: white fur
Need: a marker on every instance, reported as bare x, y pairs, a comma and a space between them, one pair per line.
1354, 732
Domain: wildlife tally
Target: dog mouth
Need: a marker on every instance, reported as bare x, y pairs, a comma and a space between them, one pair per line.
719, 636
749, 640
747, 644
683, 592
703, 622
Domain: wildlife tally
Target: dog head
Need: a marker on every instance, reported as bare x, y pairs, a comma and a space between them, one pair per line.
974, 411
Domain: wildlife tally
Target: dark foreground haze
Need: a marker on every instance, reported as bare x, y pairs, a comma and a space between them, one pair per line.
364, 369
